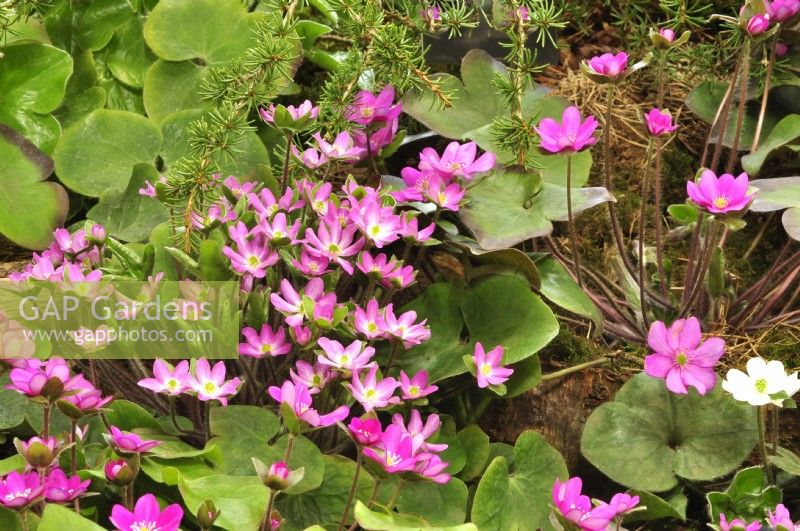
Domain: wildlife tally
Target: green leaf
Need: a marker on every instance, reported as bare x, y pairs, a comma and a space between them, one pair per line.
12, 408
242, 500
97, 155
777, 194
785, 132
787, 461
561, 289
15, 462
325, 504
508, 207
683, 214
747, 497
79, 26
476, 444
439, 505
33, 80
10, 520
83, 95
127, 56
129, 215
170, 87
128, 416
499, 310
670, 505
518, 496
648, 437
57, 518
175, 32
391, 521
29, 208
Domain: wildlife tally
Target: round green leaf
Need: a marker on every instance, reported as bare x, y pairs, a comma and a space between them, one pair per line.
560, 288
175, 31
97, 154
29, 208
129, 215
508, 207
517, 496
57, 518
127, 56
439, 505
648, 437
79, 26
33, 79
129, 416
670, 505
476, 444
170, 87
242, 500
12, 408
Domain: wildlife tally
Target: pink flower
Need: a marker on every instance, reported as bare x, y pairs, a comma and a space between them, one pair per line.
298, 397
572, 134
369, 321
489, 366
310, 158
577, 507
445, 196
368, 108
264, 343
304, 110
148, 190
279, 469
377, 223
432, 467
20, 490
457, 160
410, 231
782, 10
334, 243
393, 452
315, 377
432, 14
237, 188
210, 384
758, 24
737, 524
668, 34
312, 266
372, 393
378, 139
782, 518
118, 472
58, 488
781, 49
623, 502
681, 356
720, 195
129, 443
609, 64
290, 303
416, 183
659, 122
166, 379
31, 380
147, 515
354, 357
342, 148
404, 328
253, 254
416, 386
420, 432
265, 204
279, 231
366, 431
88, 400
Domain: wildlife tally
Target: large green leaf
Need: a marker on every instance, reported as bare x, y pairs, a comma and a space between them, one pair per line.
560, 288
170, 87
748, 497
96, 156
13, 406
778, 194
57, 518
508, 207
127, 56
129, 215
785, 132
518, 496
499, 310
83, 94
439, 505
175, 31
648, 437
29, 208
476, 444
242, 500
325, 504
378, 520
80, 26
671, 505
33, 79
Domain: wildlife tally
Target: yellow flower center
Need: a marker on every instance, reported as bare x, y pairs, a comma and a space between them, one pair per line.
210, 387
486, 369
761, 385
721, 202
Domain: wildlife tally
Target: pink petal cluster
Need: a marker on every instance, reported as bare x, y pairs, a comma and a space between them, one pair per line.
389, 272
59, 488
369, 108
417, 386
737, 524
758, 24
668, 34
147, 515
681, 357
780, 518
127, 442
609, 64
782, 10
720, 195
571, 135
304, 110
372, 393
489, 366
267, 342
298, 397
71, 257
168, 379
315, 377
659, 122
577, 507
374, 323
20, 490
209, 383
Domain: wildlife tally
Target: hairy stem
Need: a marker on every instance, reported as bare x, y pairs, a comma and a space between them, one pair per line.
745, 69
574, 368
662, 275
642, 214
353, 487
573, 235
762, 442
765, 97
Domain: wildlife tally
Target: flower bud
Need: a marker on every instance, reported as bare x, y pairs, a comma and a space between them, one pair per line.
38, 452
121, 472
757, 24
275, 521
207, 514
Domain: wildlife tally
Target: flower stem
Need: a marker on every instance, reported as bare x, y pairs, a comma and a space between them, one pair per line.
23, 517
73, 458
704, 261
642, 214
46, 420
264, 525
762, 444
393, 499
745, 69
765, 97
775, 428
573, 236
353, 487
289, 446
393, 354
287, 156
662, 276
574, 368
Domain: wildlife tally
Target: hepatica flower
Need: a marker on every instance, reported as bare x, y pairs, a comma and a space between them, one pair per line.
168, 379
781, 520
315, 377
394, 451
737, 524
420, 431
210, 384
416, 386
58, 488
489, 366
370, 392
342, 148
354, 357
681, 357
126, 442
264, 343
290, 303
782, 10
720, 195
368, 108
298, 398
659, 122
457, 160
366, 431
763, 383
404, 328
147, 516
758, 24
334, 243
608, 65
18, 491
578, 509
571, 135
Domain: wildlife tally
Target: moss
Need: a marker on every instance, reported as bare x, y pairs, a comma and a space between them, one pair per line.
569, 348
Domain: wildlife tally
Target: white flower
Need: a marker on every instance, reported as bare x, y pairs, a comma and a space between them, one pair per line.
762, 381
